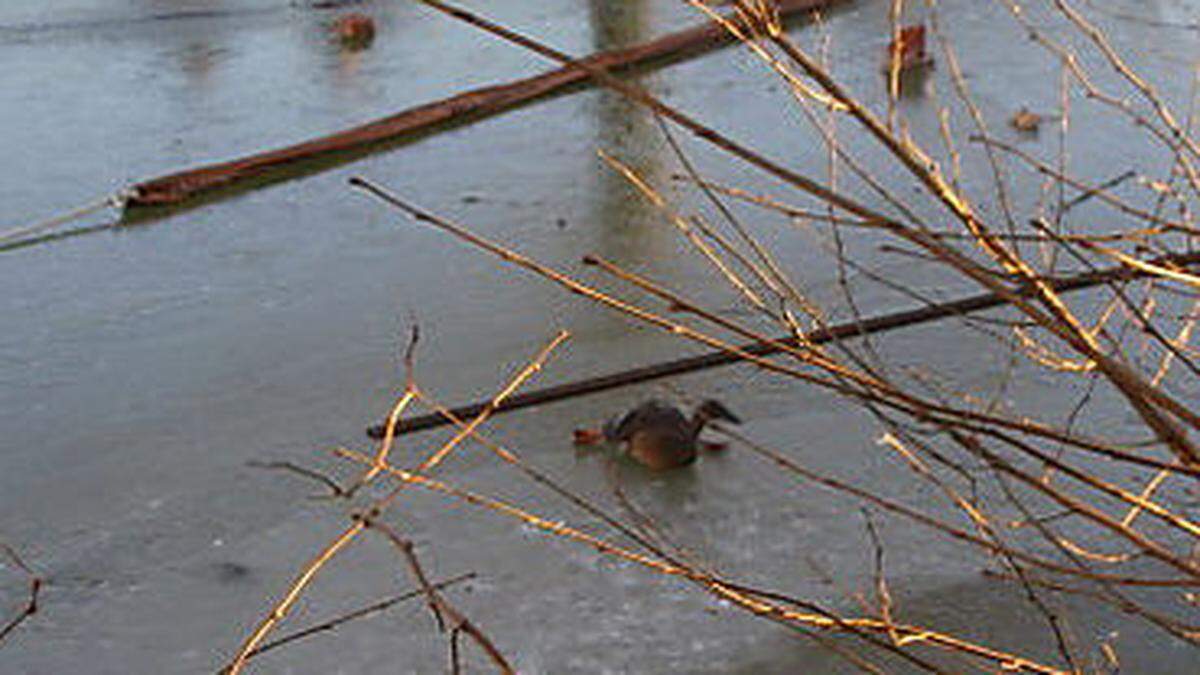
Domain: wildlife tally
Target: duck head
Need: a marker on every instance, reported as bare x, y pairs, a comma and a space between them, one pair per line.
710, 410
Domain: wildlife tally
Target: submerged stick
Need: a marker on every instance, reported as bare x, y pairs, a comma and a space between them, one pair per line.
35, 587
177, 188
851, 329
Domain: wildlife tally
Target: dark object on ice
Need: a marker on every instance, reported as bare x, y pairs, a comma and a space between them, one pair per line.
909, 50
1026, 121
658, 435
331, 4
354, 31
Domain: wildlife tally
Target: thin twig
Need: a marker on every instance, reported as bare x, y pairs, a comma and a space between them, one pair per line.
35, 586
446, 614
374, 608
335, 490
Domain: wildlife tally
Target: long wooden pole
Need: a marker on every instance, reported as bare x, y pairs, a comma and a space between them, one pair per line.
178, 188
870, 326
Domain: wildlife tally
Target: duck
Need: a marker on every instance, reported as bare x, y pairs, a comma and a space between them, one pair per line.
658, 435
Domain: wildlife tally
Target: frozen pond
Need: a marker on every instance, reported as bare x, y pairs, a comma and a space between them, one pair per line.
142, 368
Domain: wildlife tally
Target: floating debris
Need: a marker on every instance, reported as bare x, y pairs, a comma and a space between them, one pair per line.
1026, 121
909, 50
331, 4
354, 31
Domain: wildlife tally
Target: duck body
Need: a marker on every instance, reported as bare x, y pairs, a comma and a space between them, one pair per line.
657, 434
